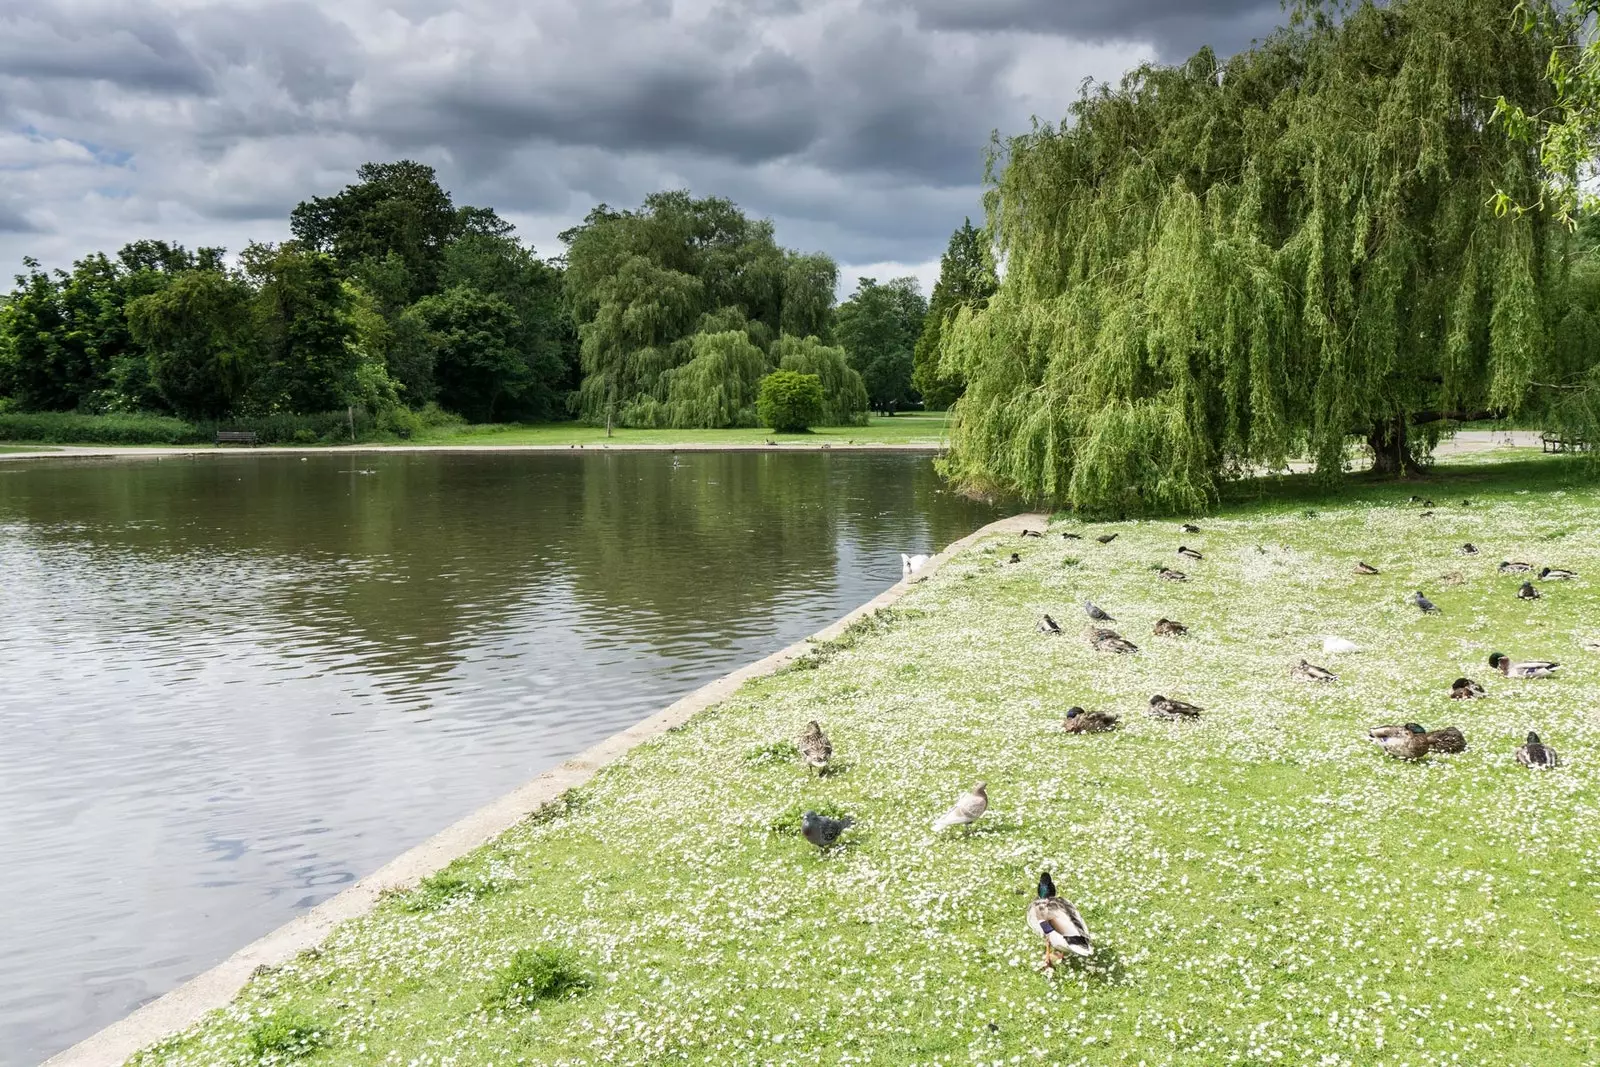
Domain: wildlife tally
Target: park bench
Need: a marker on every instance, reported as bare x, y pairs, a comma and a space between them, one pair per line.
1562, 442
236, 437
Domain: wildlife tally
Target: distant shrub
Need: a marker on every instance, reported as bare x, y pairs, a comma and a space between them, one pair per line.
283, 1037
533, 975
790, 402
68, 428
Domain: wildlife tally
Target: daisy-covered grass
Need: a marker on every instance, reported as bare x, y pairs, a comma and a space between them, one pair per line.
1264, 886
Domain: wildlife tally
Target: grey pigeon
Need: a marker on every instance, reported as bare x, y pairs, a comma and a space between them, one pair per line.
1428, 607
1096, 612
823, 831
1047, 625
968, 810
1106, 539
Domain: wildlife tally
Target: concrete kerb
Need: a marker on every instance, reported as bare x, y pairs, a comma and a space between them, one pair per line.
215, 988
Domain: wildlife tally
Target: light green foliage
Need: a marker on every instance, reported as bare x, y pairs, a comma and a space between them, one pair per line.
790, 402
282, 1037
715, 389
878, 328
1208, 269
1263, 886
844, 394
534, 975
644, 284
966, 280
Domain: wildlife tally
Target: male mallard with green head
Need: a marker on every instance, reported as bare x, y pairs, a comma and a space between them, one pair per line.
1514, 567
1537, 755
1059, 923
1188, 553
1465, 689
1533, 668
1556, 574
1079, 721
1408, 742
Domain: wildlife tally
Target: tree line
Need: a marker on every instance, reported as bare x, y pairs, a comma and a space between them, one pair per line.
390, 297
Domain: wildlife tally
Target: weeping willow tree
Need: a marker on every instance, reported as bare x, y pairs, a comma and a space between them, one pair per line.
1212, 268
844, 392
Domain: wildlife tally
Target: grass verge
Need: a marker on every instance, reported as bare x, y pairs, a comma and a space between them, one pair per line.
1264, 886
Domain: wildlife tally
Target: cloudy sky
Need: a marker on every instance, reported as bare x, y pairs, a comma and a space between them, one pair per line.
858, 126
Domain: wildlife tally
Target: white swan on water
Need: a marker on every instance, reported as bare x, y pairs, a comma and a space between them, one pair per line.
910, 565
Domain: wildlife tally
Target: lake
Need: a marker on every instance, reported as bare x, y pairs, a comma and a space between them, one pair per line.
234, 684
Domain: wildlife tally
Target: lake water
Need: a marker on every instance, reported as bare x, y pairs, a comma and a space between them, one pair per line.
232, 685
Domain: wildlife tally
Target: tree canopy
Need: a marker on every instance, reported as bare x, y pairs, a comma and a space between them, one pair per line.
966, 280
878, 328
1210, 268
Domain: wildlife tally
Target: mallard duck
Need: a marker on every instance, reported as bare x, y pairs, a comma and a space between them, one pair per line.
1111, 641
968, 810
1533, 668
1365, 568
1427, 515
1427, 503
1528, 592
1079, 721
1096, 612
1465, 689
1071, 537
1106, 539
1059, 923
1188, 553
823, 831
1014, 558
1310, 672
1173, 576
1427, 606
1032, 533
1514, 567
1408, 742
1556, 574
1167, 708
1047, 625
1534, 754
814, 746
1170, 628
1469, 549
1189, 527
1448, 739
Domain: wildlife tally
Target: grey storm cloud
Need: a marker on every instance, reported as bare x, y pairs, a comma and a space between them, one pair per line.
858, 125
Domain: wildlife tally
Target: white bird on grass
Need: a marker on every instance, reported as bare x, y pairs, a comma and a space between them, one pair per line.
1331, 643
910, 565
968, 810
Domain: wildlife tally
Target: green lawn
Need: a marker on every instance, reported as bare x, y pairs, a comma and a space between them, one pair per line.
1264, 886
28, 448
916, 428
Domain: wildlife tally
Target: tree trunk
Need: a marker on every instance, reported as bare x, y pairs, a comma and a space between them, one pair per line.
1390, 456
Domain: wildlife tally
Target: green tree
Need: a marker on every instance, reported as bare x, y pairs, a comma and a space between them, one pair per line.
473, 336
200, 342
966, 280
878, 328
790, 402
303, 329
844, 394
715, 389
1209, 272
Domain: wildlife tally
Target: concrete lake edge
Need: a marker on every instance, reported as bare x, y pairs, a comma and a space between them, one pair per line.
184, 1006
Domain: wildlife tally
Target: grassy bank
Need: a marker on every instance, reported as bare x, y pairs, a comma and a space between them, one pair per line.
916, 428
1264, 886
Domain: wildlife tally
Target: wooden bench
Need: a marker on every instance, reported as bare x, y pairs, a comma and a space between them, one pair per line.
236, 437
1561, 442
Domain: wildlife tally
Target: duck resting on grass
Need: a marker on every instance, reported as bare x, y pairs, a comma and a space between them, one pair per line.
1079, 721
1512, 567
1448, 739
1363, 567
1408, 742
1469, 549
968, 810
1465, 689
1167, 708
1310, 672
1111, 641
1047, 625
1188, 553
1528, 592
823, 831
1014, 558
1189, 527
1537, 755
1032, 533
1059, 923
1173, 576
1069, 536
1556, 574
1533, 668
814, 746
1170, 628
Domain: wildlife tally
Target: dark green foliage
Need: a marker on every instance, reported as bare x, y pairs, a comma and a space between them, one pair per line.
302, 326
878, 328
282, 1037
472, 340
646, 286
790, 402
1208, 271
66, 428
535, 975
844, 394
966, 280
200, 348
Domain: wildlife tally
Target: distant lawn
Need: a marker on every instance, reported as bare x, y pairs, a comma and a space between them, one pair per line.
917, 428
28, 448
1264, 886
